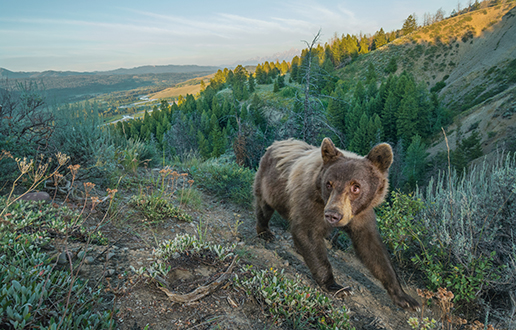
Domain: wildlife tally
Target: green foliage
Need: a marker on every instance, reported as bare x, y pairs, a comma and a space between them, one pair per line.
409, 25
156, 208
32, 292
46, 220
392, 66
226, 180
191, 244
133, 153
190, 197
415, 162
288, 91
437, 87
289, 301
397, 225
467, 248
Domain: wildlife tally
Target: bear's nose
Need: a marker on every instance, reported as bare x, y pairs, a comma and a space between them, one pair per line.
332, 217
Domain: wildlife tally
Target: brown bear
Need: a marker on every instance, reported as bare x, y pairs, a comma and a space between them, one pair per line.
317, 189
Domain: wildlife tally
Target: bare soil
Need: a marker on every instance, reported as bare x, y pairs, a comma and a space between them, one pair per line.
139, 302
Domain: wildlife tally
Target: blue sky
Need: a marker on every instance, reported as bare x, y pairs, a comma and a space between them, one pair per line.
40, 35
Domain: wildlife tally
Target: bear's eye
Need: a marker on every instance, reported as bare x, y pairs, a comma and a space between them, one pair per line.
329, 185
355, 188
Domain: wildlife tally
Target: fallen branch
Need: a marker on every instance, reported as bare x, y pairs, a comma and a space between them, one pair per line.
201, 291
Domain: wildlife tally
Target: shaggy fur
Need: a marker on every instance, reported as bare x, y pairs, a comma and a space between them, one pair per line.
317, 189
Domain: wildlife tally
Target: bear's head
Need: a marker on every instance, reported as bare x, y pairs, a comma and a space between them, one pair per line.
351, 184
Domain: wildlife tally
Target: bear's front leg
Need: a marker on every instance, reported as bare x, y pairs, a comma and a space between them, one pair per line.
372, 252
310, 244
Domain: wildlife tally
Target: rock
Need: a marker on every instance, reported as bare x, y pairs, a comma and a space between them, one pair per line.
62, 259
110, 255
81, 255
89, 260
36, 197
110, 272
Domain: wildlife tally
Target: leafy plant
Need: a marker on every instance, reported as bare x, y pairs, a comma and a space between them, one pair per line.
157, 208
397, 225
288, 300
466, 247
226, 180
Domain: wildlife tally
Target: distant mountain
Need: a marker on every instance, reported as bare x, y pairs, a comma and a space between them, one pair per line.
147, 69
286, 55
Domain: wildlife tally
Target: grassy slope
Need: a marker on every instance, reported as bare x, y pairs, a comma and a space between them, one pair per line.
192, 86
464, 48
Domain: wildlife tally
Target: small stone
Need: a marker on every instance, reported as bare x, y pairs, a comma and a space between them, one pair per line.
286, 264
175, 255
36, 197
89, 260
110, 255
81, 255
110, 272
62, 258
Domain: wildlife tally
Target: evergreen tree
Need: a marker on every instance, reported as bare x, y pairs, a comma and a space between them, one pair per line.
409, 25
371, 76
204, 148
276, 87
392, 66
415, 162
471, 146
281, 81
407, 118
379, 39
251, 84
362, 138
364, 46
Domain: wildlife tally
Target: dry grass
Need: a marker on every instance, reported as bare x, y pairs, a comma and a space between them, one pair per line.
191, 86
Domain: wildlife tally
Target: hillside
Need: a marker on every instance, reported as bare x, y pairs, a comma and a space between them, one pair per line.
192, 86
470, 58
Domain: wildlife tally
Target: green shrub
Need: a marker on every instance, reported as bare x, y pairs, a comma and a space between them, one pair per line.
288, 300
157, 208
288, 91
396, 223
226, 180
33, 294
469, 246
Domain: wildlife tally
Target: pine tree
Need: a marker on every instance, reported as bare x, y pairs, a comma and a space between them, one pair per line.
379, 39
251, 83
407, 118
415, 162
409, 25
392, 66
204, 149
276, 87
364, 46
281, 81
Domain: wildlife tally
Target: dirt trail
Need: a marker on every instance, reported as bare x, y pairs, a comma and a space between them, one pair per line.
228, 308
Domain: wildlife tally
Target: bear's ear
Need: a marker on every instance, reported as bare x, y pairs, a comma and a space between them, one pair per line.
328, 151
381, 157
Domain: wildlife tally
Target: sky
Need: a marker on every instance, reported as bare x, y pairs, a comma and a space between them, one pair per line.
37, 35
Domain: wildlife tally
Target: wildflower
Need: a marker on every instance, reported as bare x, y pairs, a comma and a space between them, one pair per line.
57, 178
111, 192
88, 186
23, 166
73, 169
62, 158
94, 201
